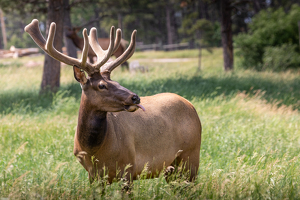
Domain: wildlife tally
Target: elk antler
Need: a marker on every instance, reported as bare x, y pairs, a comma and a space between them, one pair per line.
47, 46
108, 67
105, 55
102, 55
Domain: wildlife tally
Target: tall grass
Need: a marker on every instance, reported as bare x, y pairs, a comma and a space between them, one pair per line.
250, 140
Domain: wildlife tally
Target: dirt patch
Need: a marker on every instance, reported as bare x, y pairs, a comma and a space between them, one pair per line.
33, 63
172, 60
166, 60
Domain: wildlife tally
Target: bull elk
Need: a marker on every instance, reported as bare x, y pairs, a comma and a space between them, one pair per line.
159, 130
103, 42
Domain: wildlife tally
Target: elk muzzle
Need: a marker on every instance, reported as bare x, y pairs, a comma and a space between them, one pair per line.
135, 99
135, 104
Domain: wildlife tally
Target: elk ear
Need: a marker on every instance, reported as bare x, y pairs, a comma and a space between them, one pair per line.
76, 29
79, 75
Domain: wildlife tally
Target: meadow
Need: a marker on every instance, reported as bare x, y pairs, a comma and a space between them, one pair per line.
250, 139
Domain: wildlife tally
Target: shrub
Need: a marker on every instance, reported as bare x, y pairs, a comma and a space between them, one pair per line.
24, 41
267, 29
281, 58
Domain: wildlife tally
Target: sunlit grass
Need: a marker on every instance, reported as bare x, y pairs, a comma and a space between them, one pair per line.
250, 134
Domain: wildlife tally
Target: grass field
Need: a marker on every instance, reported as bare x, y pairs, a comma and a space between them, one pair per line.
250, 141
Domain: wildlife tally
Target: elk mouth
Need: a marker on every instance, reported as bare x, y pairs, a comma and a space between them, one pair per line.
135, 107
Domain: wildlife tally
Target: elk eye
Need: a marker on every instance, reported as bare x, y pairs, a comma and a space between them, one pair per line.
102, 86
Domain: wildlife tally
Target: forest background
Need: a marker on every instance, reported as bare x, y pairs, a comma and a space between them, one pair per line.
264, 33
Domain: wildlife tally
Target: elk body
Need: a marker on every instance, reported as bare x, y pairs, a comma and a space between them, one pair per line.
116, 127
103, 42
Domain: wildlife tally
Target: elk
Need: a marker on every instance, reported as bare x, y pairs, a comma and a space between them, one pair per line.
103, 42
115, 126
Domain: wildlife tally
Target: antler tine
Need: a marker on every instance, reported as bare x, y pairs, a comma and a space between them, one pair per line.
117, 40
66, 59
85, 50
102, 55
47, 46
125, 56
35, 33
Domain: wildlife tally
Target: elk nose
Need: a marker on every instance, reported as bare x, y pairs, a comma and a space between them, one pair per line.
135, 99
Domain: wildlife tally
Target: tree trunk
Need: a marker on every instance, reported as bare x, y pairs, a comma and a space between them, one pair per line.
169, 25
199, 35
3, 29
299, 32
120, 23
226, 34
256, 6
97, 23
202, 9
71, 48
51, 72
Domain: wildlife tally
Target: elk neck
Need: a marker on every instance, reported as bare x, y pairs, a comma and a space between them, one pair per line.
91, 127
79, 43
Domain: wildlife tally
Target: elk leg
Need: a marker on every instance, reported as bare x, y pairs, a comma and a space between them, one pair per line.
125, 66
126, 186
185, 163
168, 173
190, 162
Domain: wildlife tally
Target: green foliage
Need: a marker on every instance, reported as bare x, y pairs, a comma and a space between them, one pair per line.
192, 28
148, 17
267, 29
15, 22
24, 41
281, 58
24, 7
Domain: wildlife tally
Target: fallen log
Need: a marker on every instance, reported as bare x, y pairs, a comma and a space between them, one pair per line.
17, 52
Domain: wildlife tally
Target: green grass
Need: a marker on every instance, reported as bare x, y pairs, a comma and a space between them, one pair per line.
250, 140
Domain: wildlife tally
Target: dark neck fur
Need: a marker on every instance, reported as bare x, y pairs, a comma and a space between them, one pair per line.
91, 128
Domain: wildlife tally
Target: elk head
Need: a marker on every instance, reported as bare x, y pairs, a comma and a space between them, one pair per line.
72, 32
98, 90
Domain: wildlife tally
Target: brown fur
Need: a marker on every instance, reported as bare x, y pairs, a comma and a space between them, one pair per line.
154, 137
